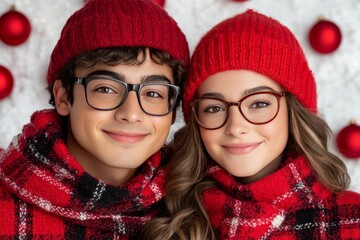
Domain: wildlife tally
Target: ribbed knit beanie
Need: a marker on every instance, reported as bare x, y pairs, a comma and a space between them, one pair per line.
252, 41
118, 23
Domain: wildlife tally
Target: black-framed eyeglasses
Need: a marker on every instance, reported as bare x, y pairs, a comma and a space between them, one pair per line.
257, 108
106, 93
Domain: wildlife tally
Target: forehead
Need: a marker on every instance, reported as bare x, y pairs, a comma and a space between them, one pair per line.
131, 73
236, 81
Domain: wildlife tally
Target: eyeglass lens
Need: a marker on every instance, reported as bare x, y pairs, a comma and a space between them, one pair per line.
257, 108
154, 99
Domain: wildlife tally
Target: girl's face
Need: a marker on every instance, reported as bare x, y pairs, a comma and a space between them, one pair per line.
247, 151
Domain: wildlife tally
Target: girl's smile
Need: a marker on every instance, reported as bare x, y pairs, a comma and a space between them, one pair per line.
240, 149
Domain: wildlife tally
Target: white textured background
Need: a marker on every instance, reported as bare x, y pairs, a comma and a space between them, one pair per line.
337, 74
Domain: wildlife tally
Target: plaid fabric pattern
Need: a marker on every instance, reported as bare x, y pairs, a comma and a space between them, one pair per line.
289, 204
45, 193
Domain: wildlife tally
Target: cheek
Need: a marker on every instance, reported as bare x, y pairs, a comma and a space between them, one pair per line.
82, 123
283, 121
278, 129
162, 125
208, 137
85, 121
275, 132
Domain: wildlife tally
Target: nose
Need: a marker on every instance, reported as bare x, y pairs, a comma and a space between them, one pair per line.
130, 110
236, 124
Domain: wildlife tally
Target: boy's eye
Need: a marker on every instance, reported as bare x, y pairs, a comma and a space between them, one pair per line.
105, 86
104, 90
152, 94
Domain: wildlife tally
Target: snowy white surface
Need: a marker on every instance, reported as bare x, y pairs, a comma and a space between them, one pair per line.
337, 74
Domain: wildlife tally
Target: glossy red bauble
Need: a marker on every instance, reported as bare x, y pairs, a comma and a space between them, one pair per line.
348, 141
14, 28
325, 37
6, 82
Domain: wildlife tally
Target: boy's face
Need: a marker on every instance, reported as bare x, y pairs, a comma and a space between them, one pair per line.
111, 145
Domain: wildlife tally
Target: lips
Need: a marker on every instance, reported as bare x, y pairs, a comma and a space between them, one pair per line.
241, 148
125, 137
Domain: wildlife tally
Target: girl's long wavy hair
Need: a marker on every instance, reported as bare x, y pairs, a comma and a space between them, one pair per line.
309, 136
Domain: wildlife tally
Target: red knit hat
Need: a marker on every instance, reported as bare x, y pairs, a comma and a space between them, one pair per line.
118, 23
254, 42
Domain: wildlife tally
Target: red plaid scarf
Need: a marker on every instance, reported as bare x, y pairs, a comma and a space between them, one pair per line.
289, 204
45, 193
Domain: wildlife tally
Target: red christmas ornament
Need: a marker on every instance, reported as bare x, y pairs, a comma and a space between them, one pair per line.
6, 82
348, 141
14, 28
239, 0
160, 2
325, 36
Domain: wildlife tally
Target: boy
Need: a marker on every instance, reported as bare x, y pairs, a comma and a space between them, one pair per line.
91, 167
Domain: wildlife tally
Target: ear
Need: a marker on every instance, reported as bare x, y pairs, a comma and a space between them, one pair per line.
61, 103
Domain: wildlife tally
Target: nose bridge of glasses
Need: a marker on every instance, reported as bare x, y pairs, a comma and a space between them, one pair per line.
132, 87
234, 104
237, 104
238, 111
130, 105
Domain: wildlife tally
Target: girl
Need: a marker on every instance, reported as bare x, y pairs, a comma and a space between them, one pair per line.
252, 161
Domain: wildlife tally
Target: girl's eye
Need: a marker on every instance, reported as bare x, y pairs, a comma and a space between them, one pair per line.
213, 109
260, 104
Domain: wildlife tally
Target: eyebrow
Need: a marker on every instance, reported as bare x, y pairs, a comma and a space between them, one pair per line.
106, 73
258, 89
246, 92
156, 78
